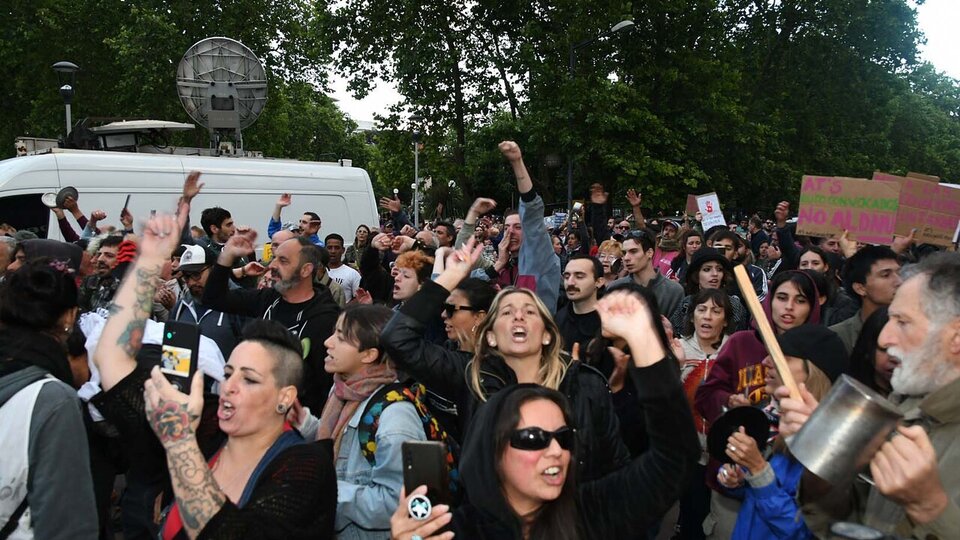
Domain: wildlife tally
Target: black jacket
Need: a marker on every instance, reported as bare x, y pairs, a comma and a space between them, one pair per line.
615, 506
312, 322
446, 371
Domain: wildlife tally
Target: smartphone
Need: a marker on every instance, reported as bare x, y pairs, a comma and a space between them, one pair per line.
180, 354
425, 464
126, 203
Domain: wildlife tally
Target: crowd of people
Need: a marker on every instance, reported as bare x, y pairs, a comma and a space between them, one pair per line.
576, 371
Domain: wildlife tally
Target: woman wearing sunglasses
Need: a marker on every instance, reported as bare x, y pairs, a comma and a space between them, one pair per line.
516, 341
519, 461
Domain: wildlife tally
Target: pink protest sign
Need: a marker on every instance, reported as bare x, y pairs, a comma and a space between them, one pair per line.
930, 207
829, 205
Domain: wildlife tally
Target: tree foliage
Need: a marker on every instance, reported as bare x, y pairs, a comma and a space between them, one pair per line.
739, 96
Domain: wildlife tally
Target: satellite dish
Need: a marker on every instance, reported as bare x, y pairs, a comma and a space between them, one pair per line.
222, 86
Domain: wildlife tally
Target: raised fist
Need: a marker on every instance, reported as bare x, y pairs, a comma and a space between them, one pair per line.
511, 151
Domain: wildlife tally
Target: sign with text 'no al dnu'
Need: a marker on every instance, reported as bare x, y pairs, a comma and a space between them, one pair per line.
830, 205
926, 205
709, 206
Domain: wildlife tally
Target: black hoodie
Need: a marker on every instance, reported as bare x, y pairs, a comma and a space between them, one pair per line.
616, 506
312, 322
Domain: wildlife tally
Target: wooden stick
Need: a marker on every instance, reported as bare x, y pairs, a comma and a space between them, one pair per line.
766, 332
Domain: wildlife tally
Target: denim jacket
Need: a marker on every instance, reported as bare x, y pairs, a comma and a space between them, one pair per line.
367, 495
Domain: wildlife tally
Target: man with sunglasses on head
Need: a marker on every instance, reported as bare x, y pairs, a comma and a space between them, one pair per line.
638, 250
223, 328
309, 223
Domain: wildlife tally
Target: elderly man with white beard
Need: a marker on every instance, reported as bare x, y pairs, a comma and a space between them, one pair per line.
916, 472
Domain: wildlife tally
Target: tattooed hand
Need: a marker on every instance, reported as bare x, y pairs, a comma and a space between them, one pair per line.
172, 415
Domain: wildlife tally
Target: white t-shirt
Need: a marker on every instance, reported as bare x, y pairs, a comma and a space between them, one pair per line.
348, 278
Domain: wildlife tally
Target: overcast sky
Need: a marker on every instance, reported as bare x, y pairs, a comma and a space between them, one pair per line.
938, 20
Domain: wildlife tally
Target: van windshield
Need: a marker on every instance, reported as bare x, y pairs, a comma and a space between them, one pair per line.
25, 212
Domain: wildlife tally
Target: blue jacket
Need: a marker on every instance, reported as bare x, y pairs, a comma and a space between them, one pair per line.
769, 508
274, 226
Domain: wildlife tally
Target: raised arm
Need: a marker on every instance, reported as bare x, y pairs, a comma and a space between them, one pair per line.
537, 260
635, 198
123, 332
638, 495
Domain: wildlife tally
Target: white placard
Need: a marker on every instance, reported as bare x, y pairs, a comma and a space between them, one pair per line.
709, 205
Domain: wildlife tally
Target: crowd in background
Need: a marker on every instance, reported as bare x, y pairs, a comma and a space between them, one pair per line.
573, 368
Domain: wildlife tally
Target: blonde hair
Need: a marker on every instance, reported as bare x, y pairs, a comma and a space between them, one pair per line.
553, 367
818, 384
611, 246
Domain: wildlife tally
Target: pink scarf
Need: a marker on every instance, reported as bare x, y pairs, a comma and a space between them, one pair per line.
347, 395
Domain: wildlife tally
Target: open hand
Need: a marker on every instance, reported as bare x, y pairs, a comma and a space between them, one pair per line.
634, 197
192, 186
598, 195
284, 200
240, 244
393, 205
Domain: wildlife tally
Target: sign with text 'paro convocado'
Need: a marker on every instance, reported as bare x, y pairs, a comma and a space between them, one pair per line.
829, 205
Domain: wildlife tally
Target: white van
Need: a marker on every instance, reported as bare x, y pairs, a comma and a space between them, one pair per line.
247, 187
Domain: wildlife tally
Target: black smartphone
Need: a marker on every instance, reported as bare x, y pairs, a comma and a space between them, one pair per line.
180, 353
126, 203
425, 464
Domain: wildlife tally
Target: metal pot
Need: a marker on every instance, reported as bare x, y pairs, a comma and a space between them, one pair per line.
844, 432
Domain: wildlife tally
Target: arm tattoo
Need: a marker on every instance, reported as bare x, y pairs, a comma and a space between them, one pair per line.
171, 422
132, 337
198, 495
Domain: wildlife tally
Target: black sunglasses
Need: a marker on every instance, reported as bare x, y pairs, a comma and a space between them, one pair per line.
534, 438
450, 309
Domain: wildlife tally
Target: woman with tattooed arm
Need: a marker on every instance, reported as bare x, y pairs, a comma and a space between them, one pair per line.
243, 473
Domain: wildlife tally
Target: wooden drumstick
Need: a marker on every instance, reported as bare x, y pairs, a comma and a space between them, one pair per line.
766, 332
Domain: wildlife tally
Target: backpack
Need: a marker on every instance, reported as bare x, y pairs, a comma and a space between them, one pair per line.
414, 393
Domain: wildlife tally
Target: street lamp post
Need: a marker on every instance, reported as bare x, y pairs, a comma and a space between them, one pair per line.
415, 124
66, 75
625, 25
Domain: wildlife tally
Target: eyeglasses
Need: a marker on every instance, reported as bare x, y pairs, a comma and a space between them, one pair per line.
450, 309
534, 438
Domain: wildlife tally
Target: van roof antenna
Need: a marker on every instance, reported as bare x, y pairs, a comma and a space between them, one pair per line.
223, 87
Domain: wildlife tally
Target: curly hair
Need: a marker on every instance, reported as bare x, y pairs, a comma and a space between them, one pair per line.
419, 262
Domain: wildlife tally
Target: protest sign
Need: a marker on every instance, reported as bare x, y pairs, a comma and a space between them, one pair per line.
709, 206
830, 205
692, 205
933, 209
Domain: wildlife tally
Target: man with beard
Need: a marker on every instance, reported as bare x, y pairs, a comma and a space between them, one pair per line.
97, 290
579, 320
307, 312
917, 471
225, 329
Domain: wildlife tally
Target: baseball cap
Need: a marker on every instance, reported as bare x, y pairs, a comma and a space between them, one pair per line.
195, 258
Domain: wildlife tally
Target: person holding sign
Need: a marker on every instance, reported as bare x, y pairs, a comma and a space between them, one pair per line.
917, 472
